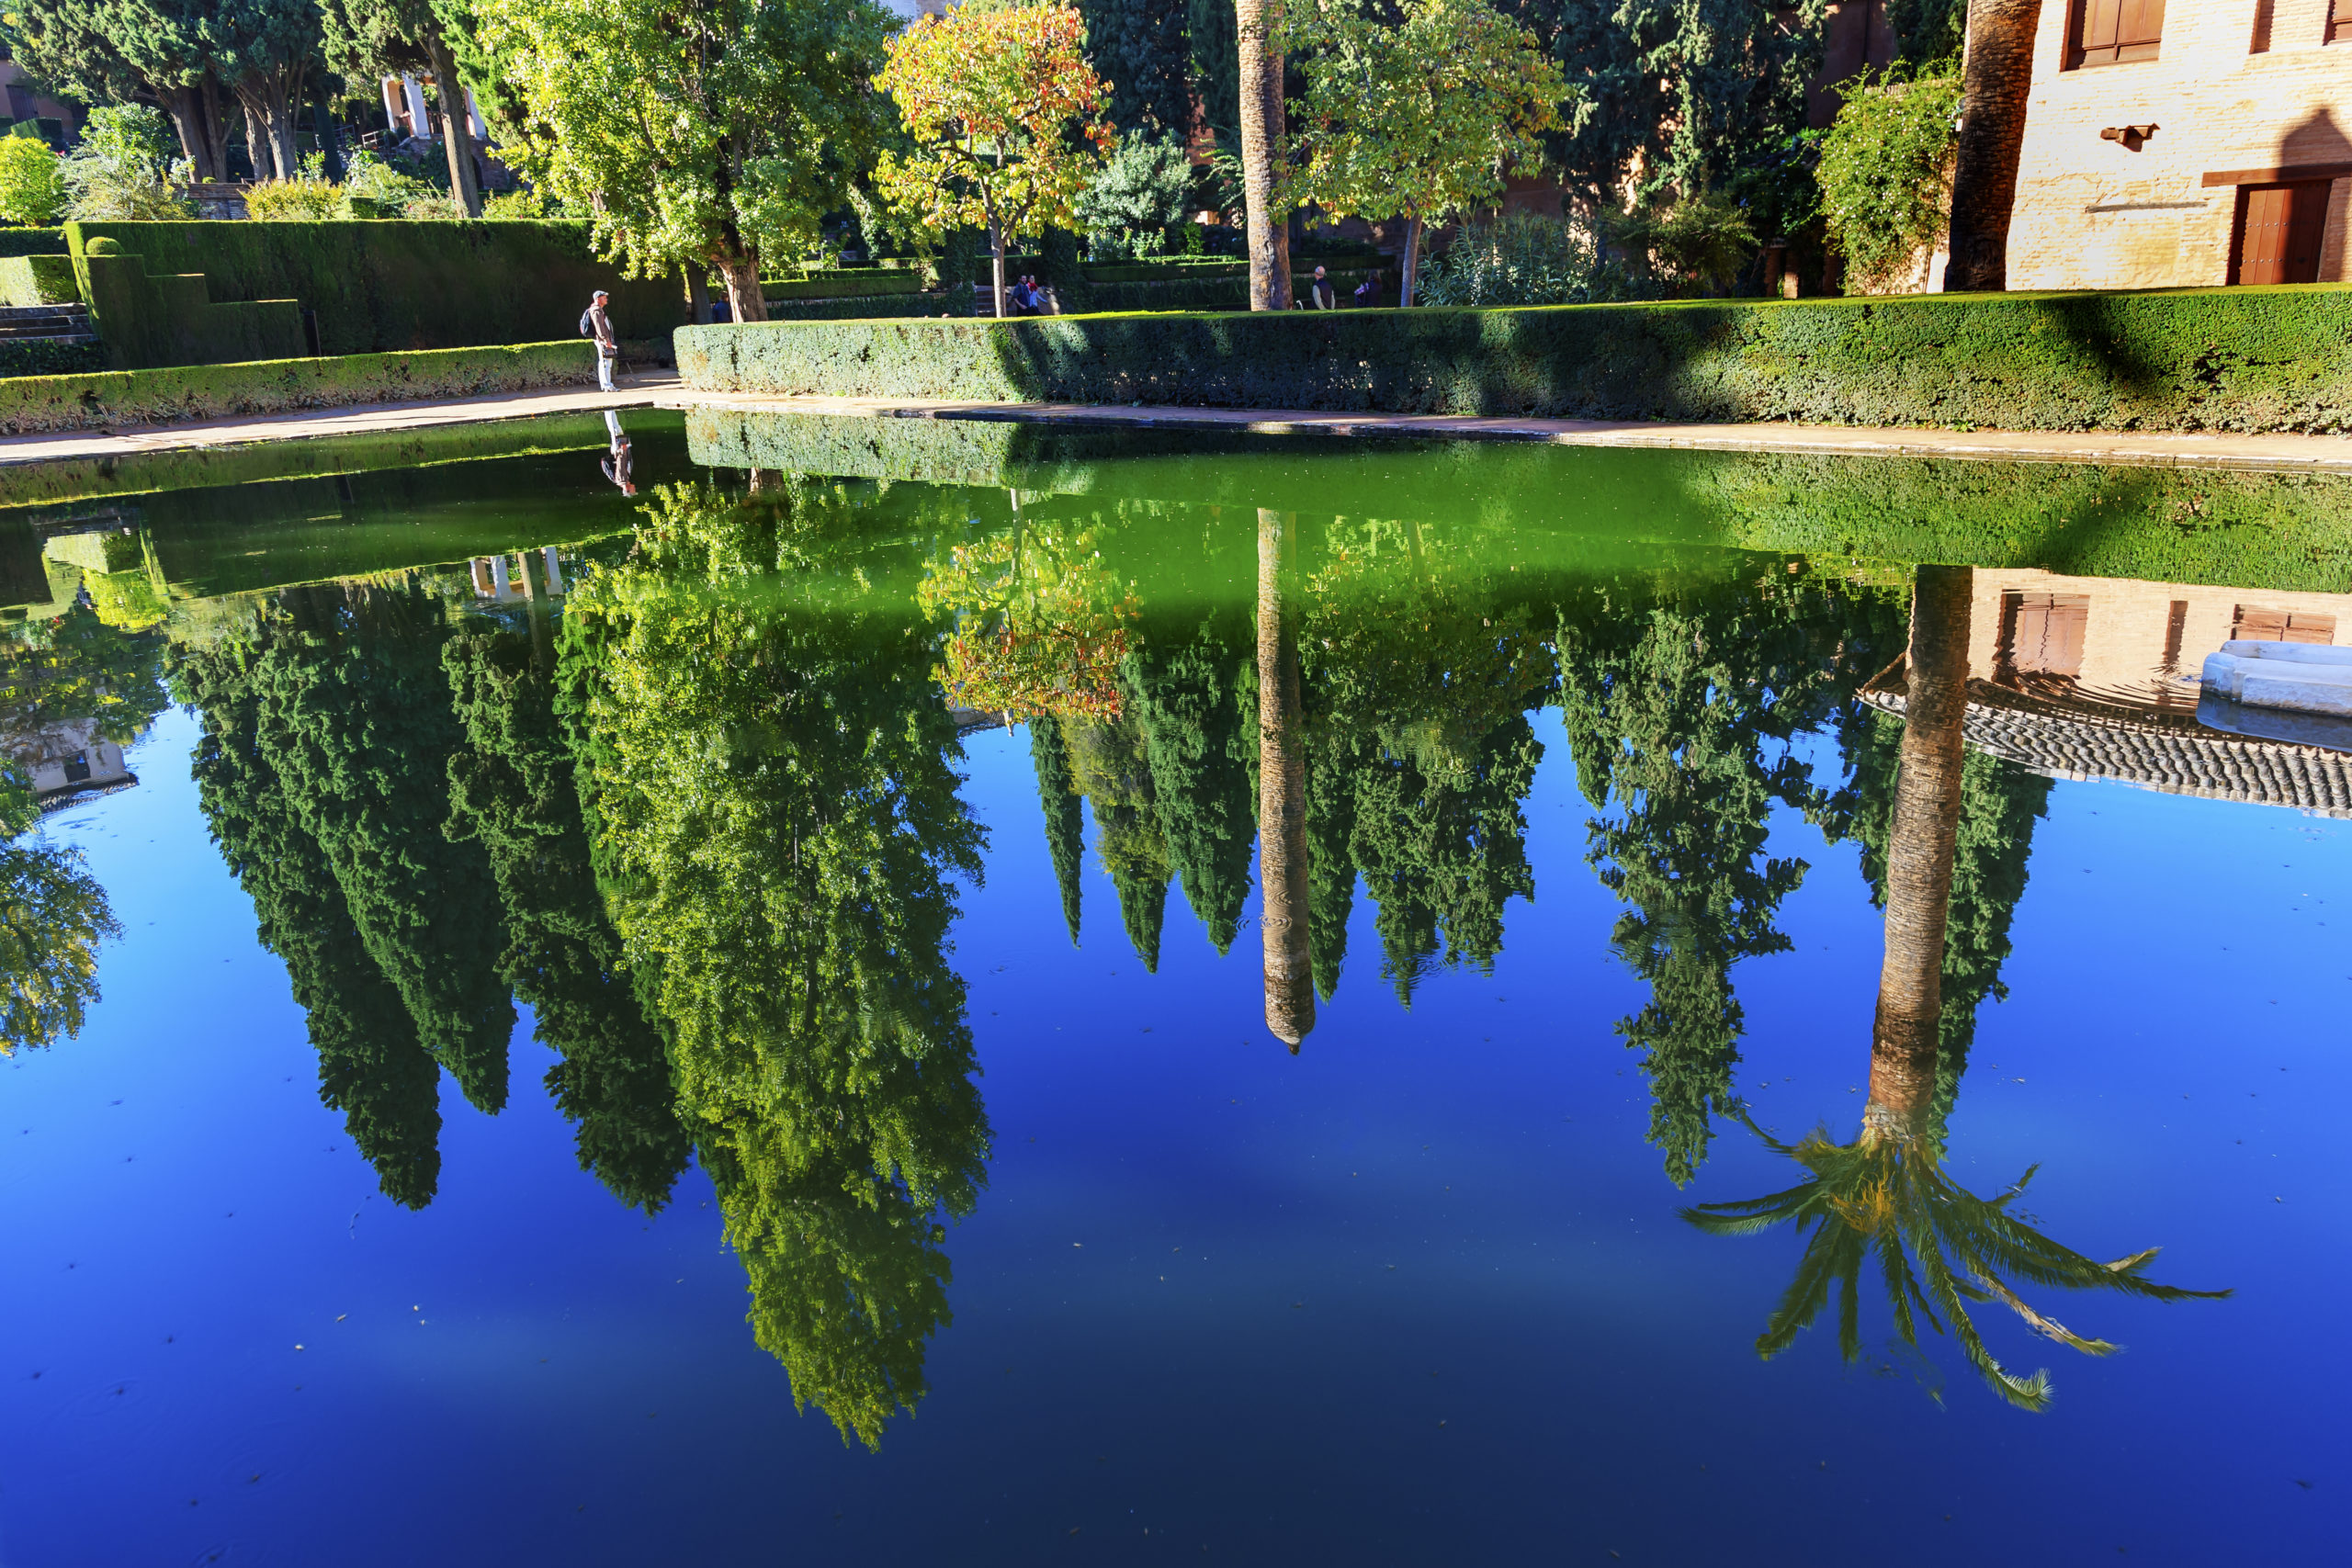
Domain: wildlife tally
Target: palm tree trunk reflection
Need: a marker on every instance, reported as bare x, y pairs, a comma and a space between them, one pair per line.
1282, 796
1941, 1247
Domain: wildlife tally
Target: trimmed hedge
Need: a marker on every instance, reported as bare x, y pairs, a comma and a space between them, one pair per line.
956, 300
2246, 359
19, 357
35, 403
842, 286
375, 286
39, 280
32, 242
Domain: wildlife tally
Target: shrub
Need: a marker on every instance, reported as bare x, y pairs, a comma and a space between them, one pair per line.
32, 190
1886, 176
1522, 258
38, 280
2278, 358
1696, 244
120, 172
1126, 211
35, 403
305, 198
521, 204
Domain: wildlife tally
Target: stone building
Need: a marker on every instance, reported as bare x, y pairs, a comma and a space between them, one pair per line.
2209, 145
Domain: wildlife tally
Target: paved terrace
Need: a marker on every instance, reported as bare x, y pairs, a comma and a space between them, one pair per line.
2275, 454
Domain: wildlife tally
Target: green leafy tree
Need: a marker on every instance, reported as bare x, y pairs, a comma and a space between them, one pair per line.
1145, 48
54, 915
1126, 211
266, 53
369, 39
1886, 176
111, 51
513, 794
371, 1066
771, 775
1004, 111
712, 136
76, 667
32, 191
120, 172
1419, 121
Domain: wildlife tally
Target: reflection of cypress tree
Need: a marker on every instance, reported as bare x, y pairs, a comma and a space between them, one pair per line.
1675, 710
774, 780
371, 1065
354, 708
1109, 765
1200, 778
2000, 802
1337, 753
1065, 813
513, 793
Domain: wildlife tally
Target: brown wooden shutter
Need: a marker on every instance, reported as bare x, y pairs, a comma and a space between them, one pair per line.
2254, 624
2111, 32
2279, 229
2045, 633
2339, 22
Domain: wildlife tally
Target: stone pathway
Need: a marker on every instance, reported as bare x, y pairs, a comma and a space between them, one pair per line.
2278, 453
637, 391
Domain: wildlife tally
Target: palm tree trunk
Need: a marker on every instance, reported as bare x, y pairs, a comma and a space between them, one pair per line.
1261, 132
1995, 77
1282, 799
995, 264
1919, 852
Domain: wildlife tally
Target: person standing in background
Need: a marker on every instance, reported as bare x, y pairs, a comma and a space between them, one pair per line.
1322, 295
608, 348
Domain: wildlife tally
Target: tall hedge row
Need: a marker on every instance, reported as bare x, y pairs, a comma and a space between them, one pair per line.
2243, 359
376, 287
34, 403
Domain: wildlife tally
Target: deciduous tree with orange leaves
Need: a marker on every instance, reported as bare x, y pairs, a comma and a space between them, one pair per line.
1006, 115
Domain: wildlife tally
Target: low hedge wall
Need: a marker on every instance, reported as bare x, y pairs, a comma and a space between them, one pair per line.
955, 300
19, 357
841, 285
35, 403
38, 280
32, 242
2245, 359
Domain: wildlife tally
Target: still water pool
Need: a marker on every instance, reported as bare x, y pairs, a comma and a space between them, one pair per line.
906, 992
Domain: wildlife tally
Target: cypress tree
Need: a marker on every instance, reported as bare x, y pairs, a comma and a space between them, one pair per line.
1193, 737
1065, 812
1110, 767
371, 1065
513, 794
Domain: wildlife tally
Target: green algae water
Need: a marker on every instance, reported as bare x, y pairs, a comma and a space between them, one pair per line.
744, 989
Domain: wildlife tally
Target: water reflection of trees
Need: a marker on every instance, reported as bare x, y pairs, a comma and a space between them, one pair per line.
1939, 1248
771, 777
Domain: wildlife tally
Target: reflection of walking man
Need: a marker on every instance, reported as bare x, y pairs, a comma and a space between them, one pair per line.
620, 466
608, 348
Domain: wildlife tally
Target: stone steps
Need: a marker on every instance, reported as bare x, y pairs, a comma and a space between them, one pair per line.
46, 323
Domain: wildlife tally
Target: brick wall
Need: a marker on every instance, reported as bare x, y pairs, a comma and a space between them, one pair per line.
2096, 214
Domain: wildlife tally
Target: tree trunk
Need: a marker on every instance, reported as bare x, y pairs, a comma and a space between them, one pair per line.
1282, 799
1920, 838
1995, 78
284, 144
1411, 270
1262, 131
457, 135
256, 140
996, 264
186, 105
215, 108
745, 298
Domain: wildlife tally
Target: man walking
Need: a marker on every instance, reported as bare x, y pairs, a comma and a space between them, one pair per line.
608, 348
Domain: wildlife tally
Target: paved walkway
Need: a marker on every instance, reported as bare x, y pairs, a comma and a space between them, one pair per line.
2287, 454
637, 391
2284, 453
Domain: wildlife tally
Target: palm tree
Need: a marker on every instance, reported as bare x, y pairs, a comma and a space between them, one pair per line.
1281, 801
1939, 1246
1257, 22
1995, 77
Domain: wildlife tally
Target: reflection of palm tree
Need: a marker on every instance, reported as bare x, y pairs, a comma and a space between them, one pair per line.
1939, 1246
1281, 801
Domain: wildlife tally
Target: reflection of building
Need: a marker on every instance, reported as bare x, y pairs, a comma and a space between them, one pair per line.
2097, 678
510, 579
69, 764
2209, 146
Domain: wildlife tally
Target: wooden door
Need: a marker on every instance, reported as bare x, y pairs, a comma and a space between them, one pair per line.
2278, 232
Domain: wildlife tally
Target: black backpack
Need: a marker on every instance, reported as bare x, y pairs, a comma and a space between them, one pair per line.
587, 322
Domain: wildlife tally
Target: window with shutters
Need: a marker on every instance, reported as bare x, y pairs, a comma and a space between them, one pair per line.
2254, 624
2112, 32
2339, 21
2041, 637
